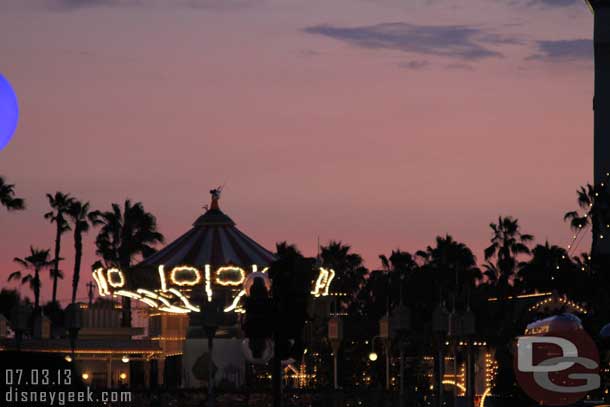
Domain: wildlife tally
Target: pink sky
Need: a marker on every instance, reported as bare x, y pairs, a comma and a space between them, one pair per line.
322, 117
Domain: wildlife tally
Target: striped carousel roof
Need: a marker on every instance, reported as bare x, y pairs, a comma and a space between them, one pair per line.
213, 240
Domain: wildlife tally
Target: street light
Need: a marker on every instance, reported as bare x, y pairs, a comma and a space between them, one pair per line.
373, 355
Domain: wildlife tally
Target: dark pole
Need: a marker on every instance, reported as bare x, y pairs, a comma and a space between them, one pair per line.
402, 374
210, 371
441, 373
601, 106
276, 372
470, 382
211, 321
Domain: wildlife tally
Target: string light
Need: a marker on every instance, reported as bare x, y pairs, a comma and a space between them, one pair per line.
100, 288
562, 301
233, 306
114, 283
162, 278
193, 279
103, 284
184, 300
129, 294
225, 276
208, 282
453, 383
484, 397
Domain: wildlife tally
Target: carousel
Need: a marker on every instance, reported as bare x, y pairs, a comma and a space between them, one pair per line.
210, 261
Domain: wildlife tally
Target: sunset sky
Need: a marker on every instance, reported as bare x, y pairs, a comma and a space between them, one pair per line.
380, 123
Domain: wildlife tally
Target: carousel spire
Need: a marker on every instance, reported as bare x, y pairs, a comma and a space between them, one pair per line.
215, 198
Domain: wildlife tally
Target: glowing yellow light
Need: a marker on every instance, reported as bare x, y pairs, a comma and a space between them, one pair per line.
116, 278
485, 395
171, 308
225, 276
149, 302
123, 376
194, 276
85, 376
254, 268
125, 359
147, 293
184, 300
233, 306
453, 383
102, 285
208, 282
325, 277
129, 294
162, 278
68, 358
373, 356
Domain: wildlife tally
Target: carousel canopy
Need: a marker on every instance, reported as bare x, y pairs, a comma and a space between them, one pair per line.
213, 240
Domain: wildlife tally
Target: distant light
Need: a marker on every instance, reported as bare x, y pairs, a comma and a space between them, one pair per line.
373, 356
123, 376
125, 359
85, 376
68, 358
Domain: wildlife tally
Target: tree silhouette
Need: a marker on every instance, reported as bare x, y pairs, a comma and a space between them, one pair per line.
34, 263
127, 232
453, 266
551, 269
507, 244
7, 197
8, 300
594, 203
60, 204
349, 269
82, 218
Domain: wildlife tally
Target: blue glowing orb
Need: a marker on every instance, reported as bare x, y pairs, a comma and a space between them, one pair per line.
9, 112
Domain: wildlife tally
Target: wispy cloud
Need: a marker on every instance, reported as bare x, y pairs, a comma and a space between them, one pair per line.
564, 50
453, 41
556, 3
414, 65
201, 4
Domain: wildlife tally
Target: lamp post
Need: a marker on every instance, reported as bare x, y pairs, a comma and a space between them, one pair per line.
462, 326
73, 324
335, 335
440, 325
373, 356
401, 324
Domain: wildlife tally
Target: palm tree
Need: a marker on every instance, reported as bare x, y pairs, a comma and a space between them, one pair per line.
349, 269
507, 244
285, 249
127, 233
7, 197
398, 269
35, 262
547, 269
82, 218
594, 202
453, 266
60, 203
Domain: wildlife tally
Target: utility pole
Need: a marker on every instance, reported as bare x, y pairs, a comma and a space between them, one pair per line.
601, 117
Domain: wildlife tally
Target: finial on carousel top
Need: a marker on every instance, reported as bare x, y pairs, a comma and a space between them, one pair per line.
215, 198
